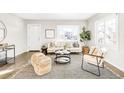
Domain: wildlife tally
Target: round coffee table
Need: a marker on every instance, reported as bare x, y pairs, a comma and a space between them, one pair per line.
62, 56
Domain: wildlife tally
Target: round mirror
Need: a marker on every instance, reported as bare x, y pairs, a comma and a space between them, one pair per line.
3, 31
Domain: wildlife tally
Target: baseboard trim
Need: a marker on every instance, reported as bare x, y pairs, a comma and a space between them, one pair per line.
114, 69
34, 50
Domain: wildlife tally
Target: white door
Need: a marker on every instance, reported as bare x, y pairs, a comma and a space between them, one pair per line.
34, 34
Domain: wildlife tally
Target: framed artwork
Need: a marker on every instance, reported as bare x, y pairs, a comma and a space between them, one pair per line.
1, 34
50, 33
3, 31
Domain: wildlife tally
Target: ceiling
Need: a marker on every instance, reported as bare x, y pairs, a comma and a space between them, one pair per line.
54, 16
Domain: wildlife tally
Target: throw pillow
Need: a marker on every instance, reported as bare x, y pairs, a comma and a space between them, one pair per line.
75, 44
52, 44
68, 45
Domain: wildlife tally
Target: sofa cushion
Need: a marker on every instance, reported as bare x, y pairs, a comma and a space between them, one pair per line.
68, 44
59, 44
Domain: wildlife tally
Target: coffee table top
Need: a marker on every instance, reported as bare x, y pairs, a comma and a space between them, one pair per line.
62, 52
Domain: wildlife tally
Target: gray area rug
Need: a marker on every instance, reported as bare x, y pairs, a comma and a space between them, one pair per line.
65, 71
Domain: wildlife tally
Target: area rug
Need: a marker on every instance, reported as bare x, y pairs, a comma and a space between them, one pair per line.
64, 71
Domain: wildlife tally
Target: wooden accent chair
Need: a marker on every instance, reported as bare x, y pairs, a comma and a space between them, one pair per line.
95, 58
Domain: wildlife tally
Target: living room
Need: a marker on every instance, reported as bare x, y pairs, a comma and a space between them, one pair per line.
31, 33
61, 46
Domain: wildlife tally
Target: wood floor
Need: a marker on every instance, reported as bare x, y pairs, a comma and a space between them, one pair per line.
115, 70
9, 69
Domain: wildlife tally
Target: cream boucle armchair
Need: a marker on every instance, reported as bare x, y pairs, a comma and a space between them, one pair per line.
41, 63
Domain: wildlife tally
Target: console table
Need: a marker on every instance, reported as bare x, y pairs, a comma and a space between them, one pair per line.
4, 58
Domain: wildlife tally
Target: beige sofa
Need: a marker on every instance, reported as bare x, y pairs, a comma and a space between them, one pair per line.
74, 47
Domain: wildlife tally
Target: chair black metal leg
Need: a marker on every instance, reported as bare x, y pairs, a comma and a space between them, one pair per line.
14, 54
98, 66
103, 64
82, 67
82, 64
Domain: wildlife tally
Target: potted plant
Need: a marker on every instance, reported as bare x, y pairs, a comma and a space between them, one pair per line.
85, 36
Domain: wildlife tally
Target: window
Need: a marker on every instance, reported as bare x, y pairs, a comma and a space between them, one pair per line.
106, 32
68, 32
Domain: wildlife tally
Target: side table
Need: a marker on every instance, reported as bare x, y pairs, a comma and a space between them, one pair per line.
44, 50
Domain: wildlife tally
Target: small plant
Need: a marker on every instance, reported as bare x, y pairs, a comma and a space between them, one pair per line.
85, 36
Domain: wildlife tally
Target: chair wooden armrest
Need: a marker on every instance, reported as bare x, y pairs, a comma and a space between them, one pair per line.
95, 56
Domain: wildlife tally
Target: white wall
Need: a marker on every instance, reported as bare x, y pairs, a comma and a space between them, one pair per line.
114, 57
16, 32
52, 25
